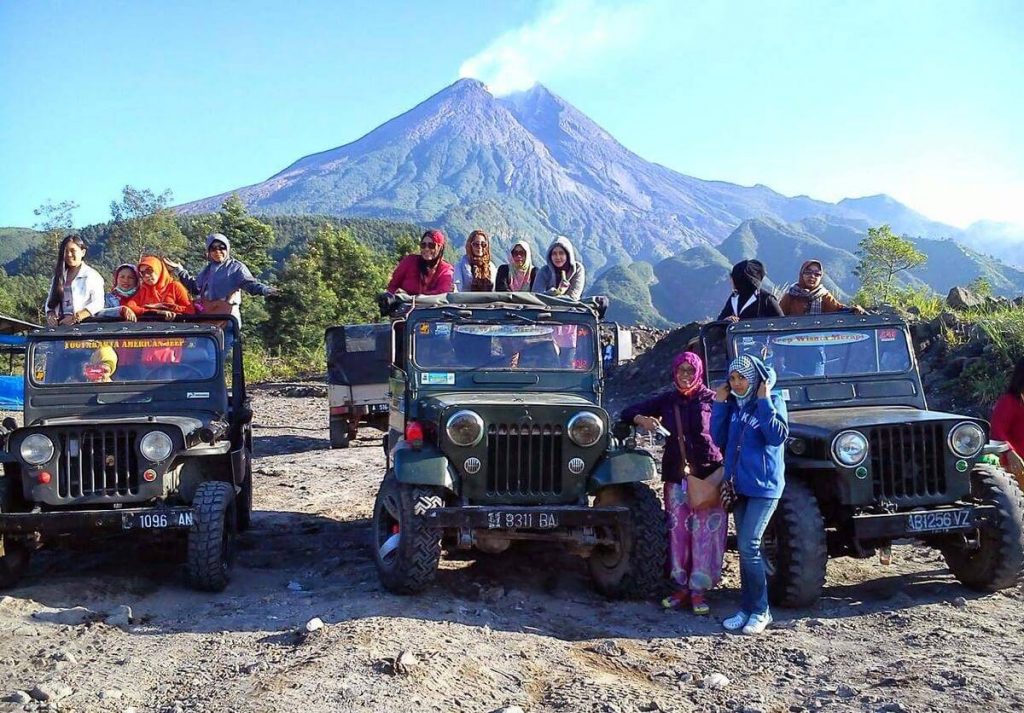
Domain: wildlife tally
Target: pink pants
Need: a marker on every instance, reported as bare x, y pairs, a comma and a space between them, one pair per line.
696, 541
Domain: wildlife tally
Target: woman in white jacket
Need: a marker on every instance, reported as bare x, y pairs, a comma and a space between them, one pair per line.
76, 290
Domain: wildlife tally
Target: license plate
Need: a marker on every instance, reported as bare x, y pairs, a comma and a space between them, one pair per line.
378, 408
522, 520
938, 521
156, 520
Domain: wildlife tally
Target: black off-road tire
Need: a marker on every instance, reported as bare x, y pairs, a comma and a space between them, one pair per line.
340, 437
17, 553
410, 564
794, 548
637, 568
211, 541
999, 561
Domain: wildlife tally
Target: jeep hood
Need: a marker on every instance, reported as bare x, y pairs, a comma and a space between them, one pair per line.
506, 398
836, 419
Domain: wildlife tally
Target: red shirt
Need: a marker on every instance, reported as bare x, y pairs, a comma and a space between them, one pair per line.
1008, 421
407, 277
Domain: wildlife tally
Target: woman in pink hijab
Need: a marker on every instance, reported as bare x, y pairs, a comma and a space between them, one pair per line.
692, 469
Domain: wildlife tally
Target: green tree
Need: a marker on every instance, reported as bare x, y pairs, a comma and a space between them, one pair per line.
143, 224
336, 281
55, 220
883, 256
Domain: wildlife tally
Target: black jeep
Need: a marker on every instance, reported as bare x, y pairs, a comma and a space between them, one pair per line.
140, 428
866, 461
497, 435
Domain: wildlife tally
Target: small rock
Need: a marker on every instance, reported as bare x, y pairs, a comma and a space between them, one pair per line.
294, 586
607, 648
18, 698
508, 709
120, 617
62, 655
405, 662
314, 624
845, 691
960, 602
69, 617
716, 681
111, 694
46, 692
685, 677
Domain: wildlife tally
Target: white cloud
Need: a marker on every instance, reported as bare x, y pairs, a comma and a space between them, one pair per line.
570, 37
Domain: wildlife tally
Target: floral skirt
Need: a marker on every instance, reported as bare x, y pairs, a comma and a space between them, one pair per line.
696, 541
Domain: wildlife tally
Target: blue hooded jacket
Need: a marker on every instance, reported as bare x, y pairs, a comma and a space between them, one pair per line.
753, 439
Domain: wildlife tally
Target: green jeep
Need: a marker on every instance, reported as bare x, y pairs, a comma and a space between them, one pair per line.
866, 461
497, 434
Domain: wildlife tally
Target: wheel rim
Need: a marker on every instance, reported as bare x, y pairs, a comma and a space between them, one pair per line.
389, 529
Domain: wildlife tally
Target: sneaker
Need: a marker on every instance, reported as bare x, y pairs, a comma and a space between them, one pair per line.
757, 623
736, 622
700, 607
677, 600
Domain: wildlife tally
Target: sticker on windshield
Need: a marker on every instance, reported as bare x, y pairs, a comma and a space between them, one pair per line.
443, 329
821, 339
437, 378
505, 330
888, 335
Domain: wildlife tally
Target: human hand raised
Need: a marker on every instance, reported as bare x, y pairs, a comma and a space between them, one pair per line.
647, 422
171, 264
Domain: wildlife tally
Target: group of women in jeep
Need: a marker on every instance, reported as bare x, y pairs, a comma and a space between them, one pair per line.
428, 273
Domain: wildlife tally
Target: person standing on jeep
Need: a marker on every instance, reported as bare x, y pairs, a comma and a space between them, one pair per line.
691, 468
750, 424
519, 273
809, 296
1008, 423
748, 300
562, 273
76, 290
427, 273
158, 292
475, 272
218, 287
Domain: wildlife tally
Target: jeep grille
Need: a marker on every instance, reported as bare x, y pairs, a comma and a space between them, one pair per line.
908, 463
524, 460
97, 463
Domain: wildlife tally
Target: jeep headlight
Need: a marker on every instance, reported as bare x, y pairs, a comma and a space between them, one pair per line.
585, 429
967, 439
155, 446
850, 448
465, 428
36, 449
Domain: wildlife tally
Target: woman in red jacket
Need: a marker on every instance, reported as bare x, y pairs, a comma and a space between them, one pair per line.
1008, 423
159, 293
426, 273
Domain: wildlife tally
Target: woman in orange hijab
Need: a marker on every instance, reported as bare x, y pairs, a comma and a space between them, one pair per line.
159, 293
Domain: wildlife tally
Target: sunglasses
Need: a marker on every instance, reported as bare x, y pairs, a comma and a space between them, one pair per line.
218, 247
519, 253
145, 271
479, 244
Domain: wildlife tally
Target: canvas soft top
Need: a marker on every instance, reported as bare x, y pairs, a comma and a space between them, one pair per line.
116, 329
403, 303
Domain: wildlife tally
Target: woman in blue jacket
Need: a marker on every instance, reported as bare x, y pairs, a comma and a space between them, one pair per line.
749, 424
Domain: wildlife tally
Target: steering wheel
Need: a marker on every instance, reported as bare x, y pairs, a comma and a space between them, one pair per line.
177, 372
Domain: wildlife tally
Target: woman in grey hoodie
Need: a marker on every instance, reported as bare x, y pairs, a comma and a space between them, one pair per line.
562, 274
217, 289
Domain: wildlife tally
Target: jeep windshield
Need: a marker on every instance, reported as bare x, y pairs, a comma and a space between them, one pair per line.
457, 346
829, 353
123, 360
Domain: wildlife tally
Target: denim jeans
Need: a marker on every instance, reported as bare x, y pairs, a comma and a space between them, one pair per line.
752, 516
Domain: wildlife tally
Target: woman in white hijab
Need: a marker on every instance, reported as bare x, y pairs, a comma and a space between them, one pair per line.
518, 274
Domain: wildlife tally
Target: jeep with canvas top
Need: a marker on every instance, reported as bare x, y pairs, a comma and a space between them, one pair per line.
866, 461
497, 435
135, 428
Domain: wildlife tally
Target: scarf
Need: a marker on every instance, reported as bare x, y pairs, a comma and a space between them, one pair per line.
125, 294
480, 264
695, 363
154, 294
746, 367
519, 278
814, 296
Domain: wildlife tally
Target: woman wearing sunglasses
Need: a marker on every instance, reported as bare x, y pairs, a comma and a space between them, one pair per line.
518, 274
219, 285
426, 273
809, 296
475, 271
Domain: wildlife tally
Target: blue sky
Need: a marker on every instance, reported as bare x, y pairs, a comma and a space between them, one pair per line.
921, 100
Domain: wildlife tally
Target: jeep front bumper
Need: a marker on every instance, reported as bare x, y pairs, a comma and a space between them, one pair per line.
900, 524
519, 517
123, 520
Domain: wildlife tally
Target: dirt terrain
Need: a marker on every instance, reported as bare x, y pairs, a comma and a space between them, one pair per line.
520, 629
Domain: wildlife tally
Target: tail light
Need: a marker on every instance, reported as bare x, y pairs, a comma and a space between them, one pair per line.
414, 434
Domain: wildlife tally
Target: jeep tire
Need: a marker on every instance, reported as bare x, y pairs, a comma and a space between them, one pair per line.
340, 436
636, 567
406, 549
16, 552
794, 548
211, 541
998, 561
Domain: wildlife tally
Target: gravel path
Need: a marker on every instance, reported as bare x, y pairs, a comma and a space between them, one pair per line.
519, 629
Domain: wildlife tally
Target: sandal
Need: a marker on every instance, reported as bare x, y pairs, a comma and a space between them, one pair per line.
677, 600
700, 607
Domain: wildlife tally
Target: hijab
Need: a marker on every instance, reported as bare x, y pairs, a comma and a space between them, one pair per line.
745, 366
153, 294
692, 360
519, 279
480, 264
813, 296
125, 294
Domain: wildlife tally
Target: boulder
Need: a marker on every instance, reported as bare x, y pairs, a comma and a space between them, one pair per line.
963, 298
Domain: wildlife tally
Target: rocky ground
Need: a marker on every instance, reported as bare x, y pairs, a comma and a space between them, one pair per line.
305, 625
